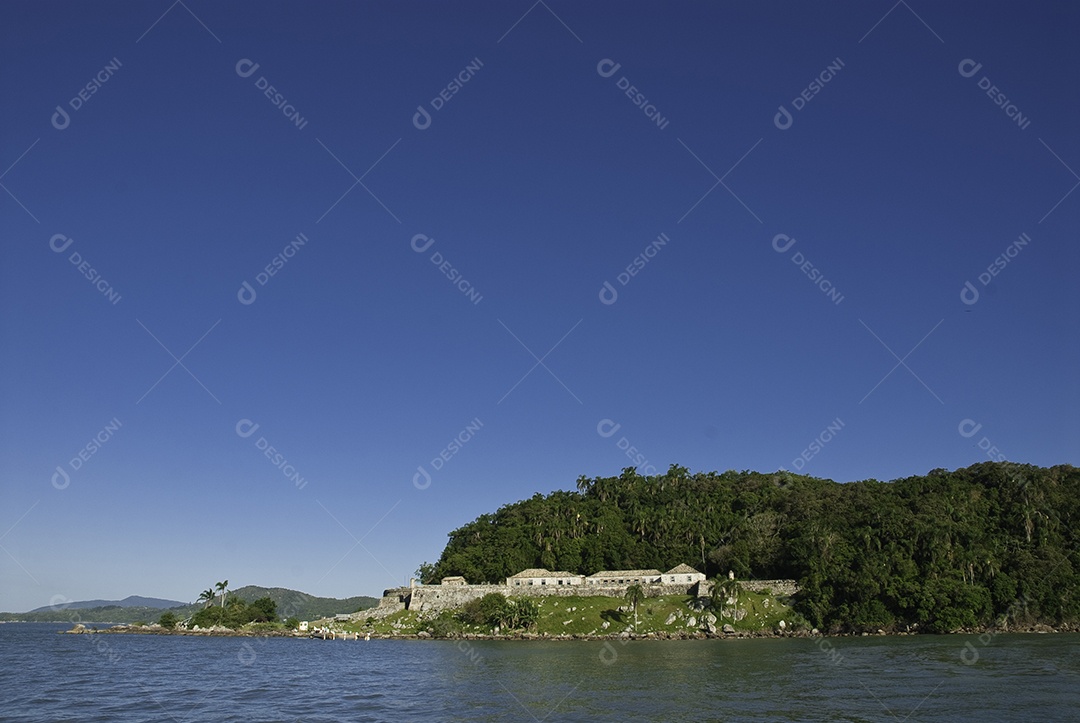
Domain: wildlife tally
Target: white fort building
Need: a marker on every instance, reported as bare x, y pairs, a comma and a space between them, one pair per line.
454, 591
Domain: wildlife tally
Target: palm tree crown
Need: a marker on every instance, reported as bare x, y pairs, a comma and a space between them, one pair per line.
634, 595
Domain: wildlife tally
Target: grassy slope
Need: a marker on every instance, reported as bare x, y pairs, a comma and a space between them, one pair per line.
587, 615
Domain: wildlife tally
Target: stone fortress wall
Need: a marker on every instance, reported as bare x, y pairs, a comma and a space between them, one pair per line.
454, 592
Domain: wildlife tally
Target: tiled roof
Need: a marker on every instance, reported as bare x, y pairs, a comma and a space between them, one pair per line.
626, 573
540, 572
682, 569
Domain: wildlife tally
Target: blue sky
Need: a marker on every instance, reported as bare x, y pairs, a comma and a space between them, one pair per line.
407, 391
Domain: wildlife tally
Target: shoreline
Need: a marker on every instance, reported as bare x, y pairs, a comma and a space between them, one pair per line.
124, 629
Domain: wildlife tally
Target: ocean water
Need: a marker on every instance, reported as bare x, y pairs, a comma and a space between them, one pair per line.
49, 677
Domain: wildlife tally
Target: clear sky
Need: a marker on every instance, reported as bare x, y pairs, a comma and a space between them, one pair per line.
510, 244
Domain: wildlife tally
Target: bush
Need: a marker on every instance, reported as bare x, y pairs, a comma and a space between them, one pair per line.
168, 620
208, 617
472, 613
263, 610
292, 623
237, 613
445, 626
524, 612
495, 608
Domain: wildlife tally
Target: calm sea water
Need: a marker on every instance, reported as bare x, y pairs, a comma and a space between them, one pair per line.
50, 677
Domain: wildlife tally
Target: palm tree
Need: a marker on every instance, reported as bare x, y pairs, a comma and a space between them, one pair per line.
207, 596
634, 595
725, 588
223, 588
717, 596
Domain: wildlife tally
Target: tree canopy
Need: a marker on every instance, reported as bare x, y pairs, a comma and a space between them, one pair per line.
946, 550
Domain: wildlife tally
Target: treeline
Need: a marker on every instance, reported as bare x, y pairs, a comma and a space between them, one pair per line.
234, 614
949, 550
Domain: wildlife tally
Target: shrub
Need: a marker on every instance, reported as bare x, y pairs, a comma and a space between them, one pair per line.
168, 620
472, 613
446, 625
261, 611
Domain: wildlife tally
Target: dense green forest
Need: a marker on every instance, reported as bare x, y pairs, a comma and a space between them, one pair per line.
989, 544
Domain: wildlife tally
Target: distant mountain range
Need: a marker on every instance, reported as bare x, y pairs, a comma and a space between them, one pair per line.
131, 601
290, 603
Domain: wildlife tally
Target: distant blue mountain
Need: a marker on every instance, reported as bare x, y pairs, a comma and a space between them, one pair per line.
130, 601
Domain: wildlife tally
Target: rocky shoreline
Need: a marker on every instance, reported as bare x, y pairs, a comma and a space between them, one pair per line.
80, 629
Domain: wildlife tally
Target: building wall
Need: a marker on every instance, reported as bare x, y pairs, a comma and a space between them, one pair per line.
435, 598
629, 580
513, 582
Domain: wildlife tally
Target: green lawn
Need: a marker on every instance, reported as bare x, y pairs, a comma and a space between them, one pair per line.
587, 616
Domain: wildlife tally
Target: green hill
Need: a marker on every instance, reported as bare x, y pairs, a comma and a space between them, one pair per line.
101, 614
992, 543
290, 603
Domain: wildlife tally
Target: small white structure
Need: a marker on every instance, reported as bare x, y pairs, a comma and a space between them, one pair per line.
303, 626
683, 573
540, 576
453, 580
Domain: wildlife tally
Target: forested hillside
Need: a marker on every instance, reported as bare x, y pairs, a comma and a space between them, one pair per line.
972, 547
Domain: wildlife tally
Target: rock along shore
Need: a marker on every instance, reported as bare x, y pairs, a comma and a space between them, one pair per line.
80, 629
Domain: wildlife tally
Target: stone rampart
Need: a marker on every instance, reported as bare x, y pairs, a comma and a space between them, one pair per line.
436, 598
776, 587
